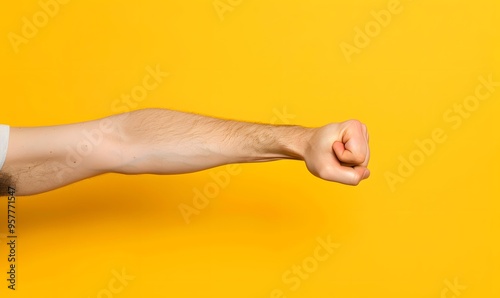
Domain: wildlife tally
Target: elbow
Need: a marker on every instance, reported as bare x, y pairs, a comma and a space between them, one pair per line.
121, 145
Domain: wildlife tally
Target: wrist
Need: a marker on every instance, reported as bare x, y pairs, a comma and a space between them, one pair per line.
292, 141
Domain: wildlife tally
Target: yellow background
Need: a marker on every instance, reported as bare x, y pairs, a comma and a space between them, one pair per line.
264, 57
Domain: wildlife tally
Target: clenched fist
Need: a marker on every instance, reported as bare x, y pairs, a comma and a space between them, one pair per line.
339, 152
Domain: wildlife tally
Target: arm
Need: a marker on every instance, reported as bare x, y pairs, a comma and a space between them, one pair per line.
157, 141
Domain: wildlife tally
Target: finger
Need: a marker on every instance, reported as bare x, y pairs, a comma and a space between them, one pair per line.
367, 159
355, 142
353, 151
367, 137
366, 134
351, 175
339, 147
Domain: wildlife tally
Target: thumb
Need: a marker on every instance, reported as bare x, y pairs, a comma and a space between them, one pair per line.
344, 156
350, 175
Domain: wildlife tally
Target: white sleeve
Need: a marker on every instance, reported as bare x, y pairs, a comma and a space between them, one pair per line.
4, 143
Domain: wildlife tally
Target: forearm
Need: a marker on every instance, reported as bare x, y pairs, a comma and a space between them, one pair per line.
169, 142
156, 141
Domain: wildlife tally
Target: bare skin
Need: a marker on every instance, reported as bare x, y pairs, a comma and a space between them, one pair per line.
159, 141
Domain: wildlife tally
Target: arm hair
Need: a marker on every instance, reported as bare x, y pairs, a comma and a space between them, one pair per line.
6, 181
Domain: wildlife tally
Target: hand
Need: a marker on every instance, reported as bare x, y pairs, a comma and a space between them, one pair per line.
339, 152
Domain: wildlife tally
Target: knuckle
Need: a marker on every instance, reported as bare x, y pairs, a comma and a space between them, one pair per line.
356, 179
354, 122
358, 158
